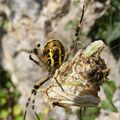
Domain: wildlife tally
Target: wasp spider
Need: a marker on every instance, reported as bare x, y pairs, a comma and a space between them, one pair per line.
52, 57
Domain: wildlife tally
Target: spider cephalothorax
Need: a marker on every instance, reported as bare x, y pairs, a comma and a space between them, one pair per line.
51, 59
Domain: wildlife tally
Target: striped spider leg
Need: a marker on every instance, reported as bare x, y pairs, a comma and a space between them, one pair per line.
74, 47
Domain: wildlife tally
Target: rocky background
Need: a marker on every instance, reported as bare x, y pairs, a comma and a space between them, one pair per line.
24, 23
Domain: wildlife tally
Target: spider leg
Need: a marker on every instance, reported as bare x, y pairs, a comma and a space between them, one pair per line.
75, 45
35, 61
35, 51
39, 56
33, 94
77, 30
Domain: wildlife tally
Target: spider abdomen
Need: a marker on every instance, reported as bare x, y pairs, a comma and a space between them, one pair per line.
54, 53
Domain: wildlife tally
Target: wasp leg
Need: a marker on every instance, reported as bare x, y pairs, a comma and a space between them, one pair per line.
33, 94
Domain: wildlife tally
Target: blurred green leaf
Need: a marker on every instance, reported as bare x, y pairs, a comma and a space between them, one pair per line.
115, 3
109, 89
19, 117
40, 116
3, 114
113, 33
3, 24
70, 24
108, 106
107, 27
9, 84
3, 101
51, 119
3, 93
8, 91
76, 3
90, 113
17, 110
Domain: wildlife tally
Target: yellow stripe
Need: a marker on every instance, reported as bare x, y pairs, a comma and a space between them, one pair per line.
60, 56
51, 58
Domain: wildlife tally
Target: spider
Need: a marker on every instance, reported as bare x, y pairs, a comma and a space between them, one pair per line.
52, 57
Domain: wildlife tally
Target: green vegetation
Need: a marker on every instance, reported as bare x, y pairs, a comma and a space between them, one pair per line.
3, 24
9, 107
107, 27
91, 113
109, 89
